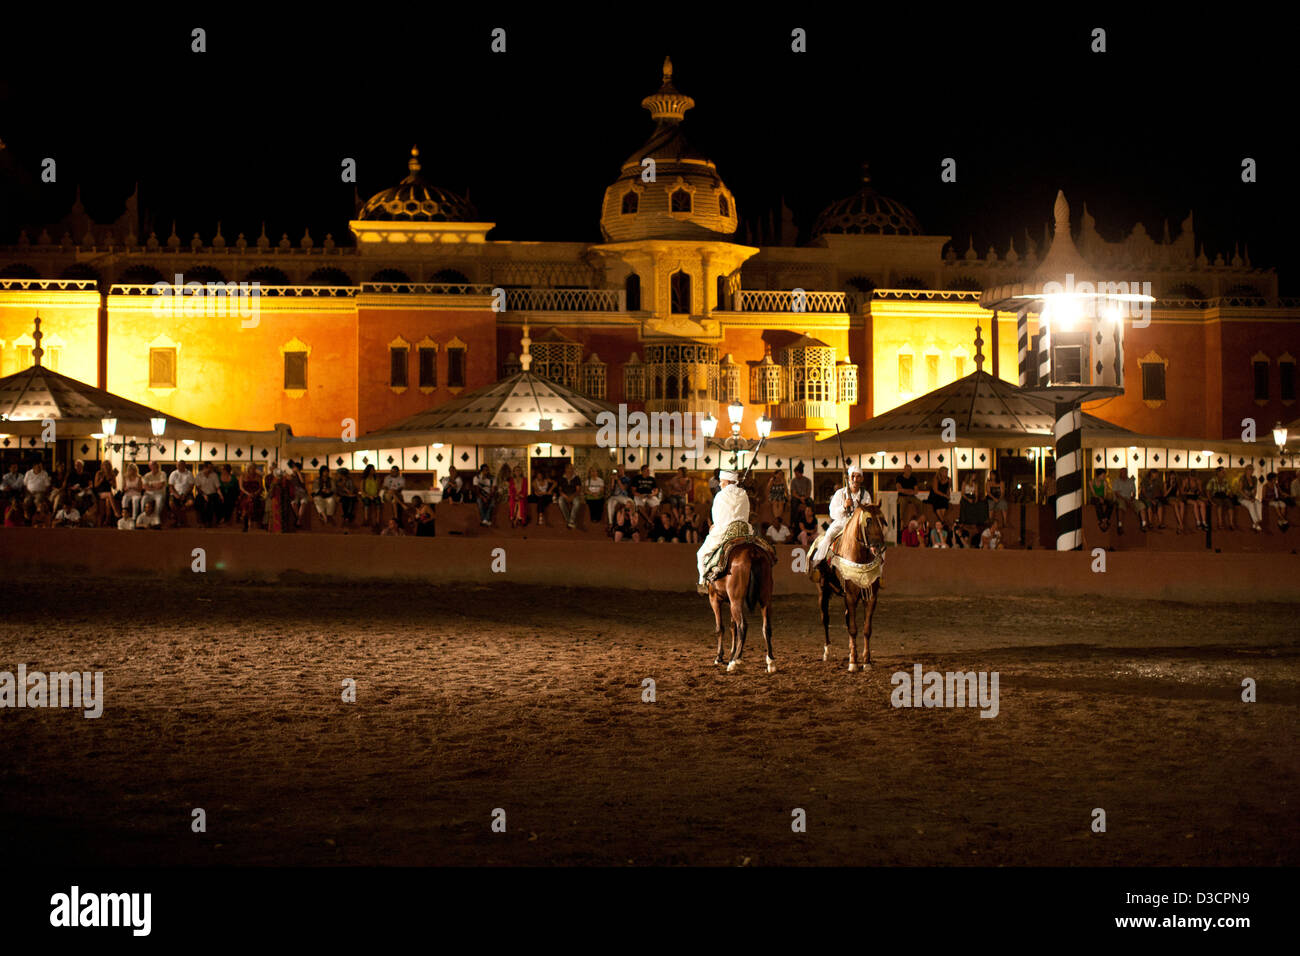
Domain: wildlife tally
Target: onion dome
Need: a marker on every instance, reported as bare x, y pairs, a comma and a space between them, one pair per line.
415, 200
867, 213
687, 198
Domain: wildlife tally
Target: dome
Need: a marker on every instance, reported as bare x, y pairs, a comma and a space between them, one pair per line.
867, 213
414, 200
686, 200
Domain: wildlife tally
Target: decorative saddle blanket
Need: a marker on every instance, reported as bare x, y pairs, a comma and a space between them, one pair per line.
863, 575
737, 533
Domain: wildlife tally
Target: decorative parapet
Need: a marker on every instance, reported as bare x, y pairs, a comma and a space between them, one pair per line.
267, 291
756, 300
425, 288
48, 285
565, 300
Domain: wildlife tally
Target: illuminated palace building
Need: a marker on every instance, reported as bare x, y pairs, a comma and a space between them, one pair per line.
668, 313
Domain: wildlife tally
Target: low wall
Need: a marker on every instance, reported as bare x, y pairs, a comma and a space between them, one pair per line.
642, 566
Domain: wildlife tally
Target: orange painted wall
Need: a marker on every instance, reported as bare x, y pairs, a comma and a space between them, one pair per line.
380, 405
233, 377
76, 323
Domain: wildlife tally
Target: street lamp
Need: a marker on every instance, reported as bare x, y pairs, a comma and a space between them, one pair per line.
734, 443
108, 428
1279, 438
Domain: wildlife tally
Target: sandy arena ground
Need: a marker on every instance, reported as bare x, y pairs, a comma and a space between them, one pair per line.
227, 697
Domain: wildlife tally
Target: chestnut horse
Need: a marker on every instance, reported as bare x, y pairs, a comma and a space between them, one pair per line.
862, 543
747, 583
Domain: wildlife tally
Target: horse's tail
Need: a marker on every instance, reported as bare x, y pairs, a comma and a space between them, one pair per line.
754, 593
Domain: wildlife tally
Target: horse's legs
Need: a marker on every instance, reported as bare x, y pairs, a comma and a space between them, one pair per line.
737, 630
767, 635
826, 619
872, 595
851, 622
716, 602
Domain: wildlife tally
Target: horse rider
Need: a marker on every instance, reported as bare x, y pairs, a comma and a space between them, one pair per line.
843, 502
731, 503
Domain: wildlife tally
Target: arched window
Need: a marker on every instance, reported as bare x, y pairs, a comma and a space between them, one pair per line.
671, 390
681, 293
723, 299
681, 201
632, 289
630, 202
724, 207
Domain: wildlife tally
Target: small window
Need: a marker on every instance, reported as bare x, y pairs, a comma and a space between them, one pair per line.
1067, 365
932, 371
162, 368
24, 357
455, 368
1261, 381
295, 370
428, 368
53, 356
630, 202
632, 286
905, 373
681, 201
681, 293
724, 207
397, 367
1286, 380
1153, 381
959, 366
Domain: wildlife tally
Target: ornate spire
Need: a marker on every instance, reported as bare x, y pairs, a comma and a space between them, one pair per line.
979, 350
525, 357
413, 164
668, 105
37, 351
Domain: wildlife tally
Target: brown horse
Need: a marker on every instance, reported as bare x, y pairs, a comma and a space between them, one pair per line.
747, 583
862, 543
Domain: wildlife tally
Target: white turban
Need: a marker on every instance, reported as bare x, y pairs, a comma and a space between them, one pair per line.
854, 470
728, 476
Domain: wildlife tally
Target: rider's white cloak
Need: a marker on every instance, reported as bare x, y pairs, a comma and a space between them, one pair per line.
842, 504
730, 504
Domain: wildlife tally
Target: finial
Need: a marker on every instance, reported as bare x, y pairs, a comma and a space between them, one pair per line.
979, 350
413, 164
37, 351
525, 356
1062, 212
668, 69
668, 105
866, 173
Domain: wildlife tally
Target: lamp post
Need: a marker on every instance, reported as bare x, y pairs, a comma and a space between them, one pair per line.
108, 425
1279, 439
735, 443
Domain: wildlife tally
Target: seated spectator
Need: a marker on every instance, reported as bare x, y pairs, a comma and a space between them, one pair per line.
392, 529
1272, 500
77, 489
485, 495
645, 494
126, 523
620, 492
394, 501
940, 535
1220, 492
923, 532
801, 491
207, 495
995, 495
424, 519
299, 498
181, 496
517, 500
941, 494
680, 488
691, 526
346, 489
1153, 495
905, 485
961, 536
1248, 497
778, 532
324, 495
807, 527
1193, 494
453, 487
14, 514
910, 537
973, 510
155, 488
569, 487
543, 492
778, 494
132, 490
593, 490
991, 538
149, 515
43, 517
665, 525
640, 527
620, 529
107, 511
1102, 498
1126, 499
368, 495
11, 486
67, 516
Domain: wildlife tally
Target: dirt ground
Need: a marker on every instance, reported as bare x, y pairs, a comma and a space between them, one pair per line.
227, 697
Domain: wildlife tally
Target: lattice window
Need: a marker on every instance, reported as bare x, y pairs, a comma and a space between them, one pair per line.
556, 361
678, 372
728, 379
846, 383
810, 372
593, 376
765, 383
634, 379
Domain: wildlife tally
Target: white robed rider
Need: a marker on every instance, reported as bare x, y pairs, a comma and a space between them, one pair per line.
731, 503
842, 504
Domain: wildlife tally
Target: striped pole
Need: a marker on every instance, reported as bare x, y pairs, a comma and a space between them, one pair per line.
1044, 352
1069, 476
1022, 340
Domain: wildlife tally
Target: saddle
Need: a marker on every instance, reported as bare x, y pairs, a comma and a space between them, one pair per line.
737, 533
863, 575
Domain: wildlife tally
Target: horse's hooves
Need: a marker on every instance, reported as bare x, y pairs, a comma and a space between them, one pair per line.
853, 668
826, 654
718, 660
731, 667
771, 666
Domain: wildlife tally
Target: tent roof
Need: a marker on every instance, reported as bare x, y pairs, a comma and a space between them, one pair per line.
38, 393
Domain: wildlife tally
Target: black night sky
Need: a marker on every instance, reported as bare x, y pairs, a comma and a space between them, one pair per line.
256, 127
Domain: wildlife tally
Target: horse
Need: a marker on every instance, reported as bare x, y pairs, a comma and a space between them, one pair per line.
746, 583
862, 543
